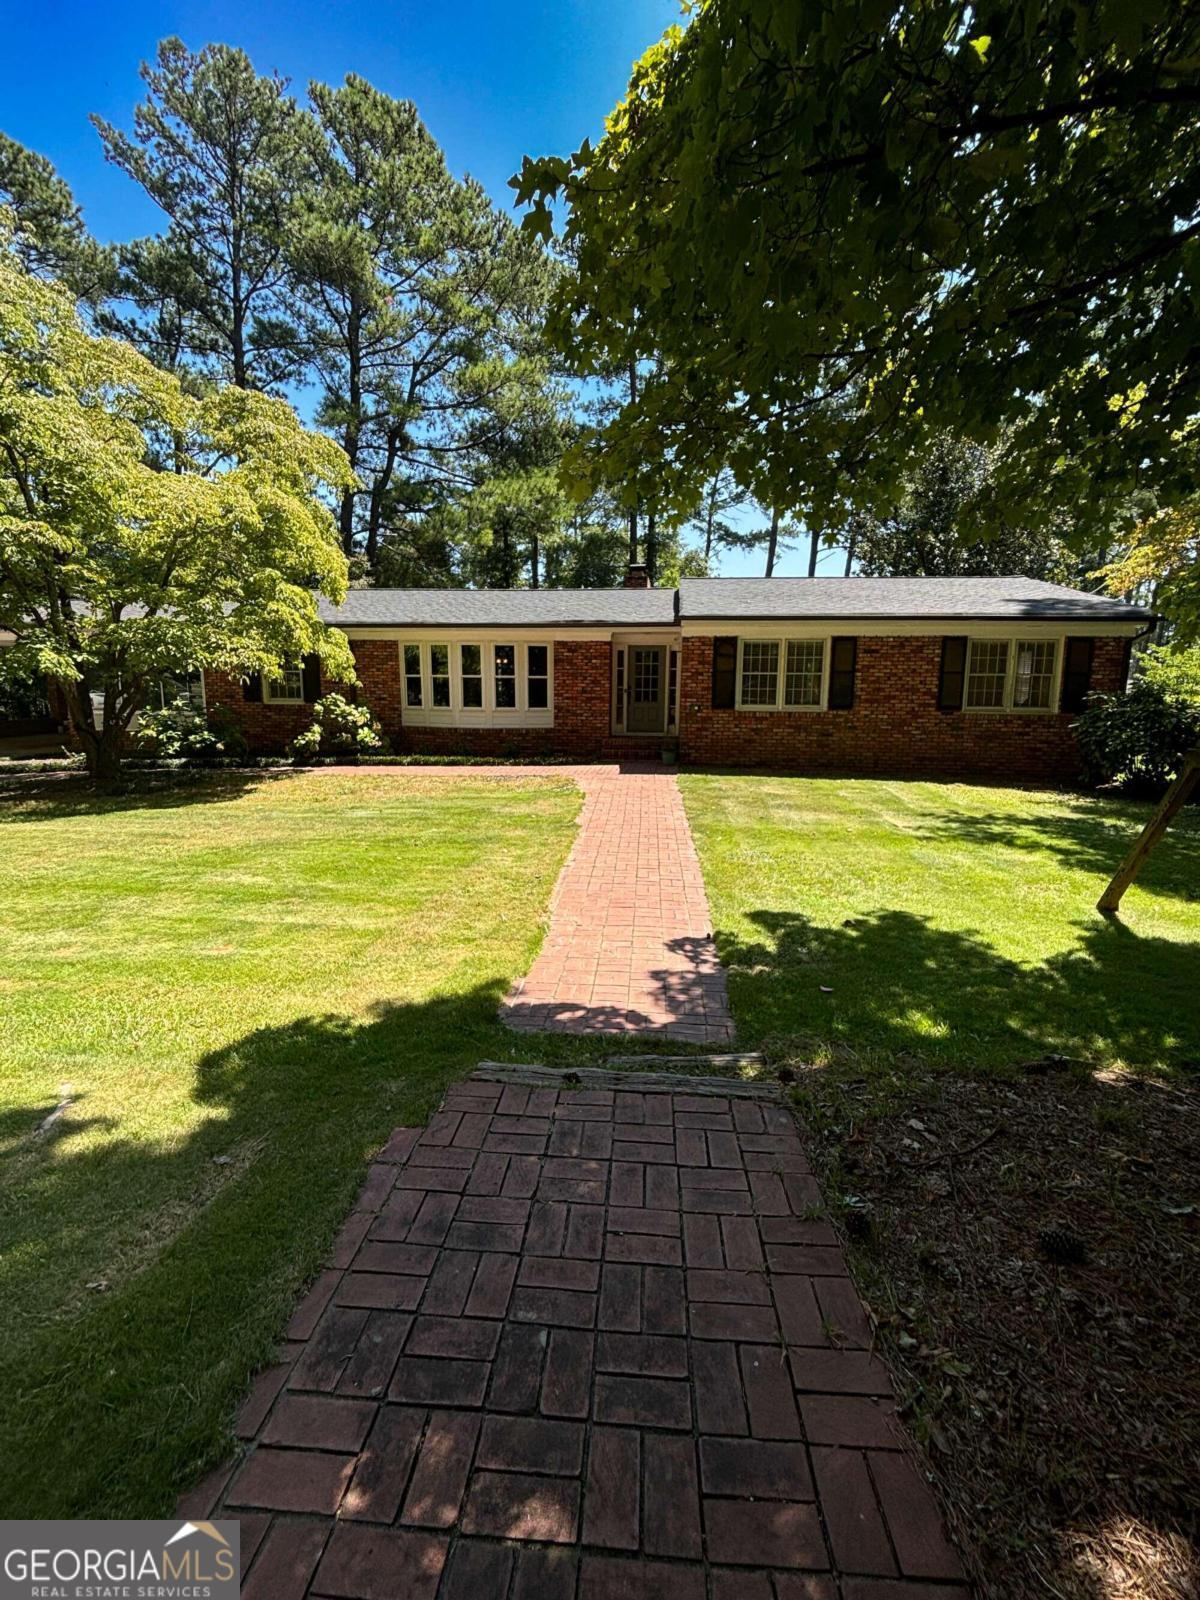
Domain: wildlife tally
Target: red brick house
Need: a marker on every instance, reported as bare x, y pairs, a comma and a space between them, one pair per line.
949, 676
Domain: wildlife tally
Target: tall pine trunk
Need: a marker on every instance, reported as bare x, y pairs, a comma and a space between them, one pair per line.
773, 543
814, 549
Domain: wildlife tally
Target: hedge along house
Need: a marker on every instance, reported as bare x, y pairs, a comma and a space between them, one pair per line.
944, 676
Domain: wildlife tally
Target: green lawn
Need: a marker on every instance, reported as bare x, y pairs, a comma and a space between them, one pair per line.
241, 986
952, 922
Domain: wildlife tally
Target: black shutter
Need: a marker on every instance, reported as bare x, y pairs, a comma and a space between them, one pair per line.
252, 687
724, 673
310, 673
843, 659
953, 678
1077, 673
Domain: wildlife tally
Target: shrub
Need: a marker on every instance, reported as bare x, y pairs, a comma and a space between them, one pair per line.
1175, 672
339, 728
182, 730
1138, 738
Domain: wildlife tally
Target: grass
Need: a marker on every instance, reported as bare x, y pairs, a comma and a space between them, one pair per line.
948, 922
919, 955
236, 987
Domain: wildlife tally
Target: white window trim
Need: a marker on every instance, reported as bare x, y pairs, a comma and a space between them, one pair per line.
1008, 709
272, 699
489, 715
782, 640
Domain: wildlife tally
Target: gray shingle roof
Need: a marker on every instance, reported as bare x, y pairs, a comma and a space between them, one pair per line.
881, 599
503, 608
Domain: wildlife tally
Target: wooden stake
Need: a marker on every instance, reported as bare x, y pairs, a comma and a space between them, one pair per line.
1172, 802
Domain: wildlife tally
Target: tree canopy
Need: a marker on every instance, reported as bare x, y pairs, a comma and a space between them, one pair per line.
144, 529
47, 230
842, 229
930, 531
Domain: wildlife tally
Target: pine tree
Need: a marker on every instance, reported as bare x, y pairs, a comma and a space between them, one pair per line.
224, 153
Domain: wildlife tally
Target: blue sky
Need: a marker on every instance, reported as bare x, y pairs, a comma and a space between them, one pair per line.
492, 81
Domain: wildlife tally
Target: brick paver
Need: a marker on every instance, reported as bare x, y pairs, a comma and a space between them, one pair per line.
630, 946
583, 1345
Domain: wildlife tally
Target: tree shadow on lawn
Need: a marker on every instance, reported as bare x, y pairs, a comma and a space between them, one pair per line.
1093, 836
45, 799
185, 1255
901, 985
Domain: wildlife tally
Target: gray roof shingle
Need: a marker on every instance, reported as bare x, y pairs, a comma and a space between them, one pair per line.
503, 608
1014, 599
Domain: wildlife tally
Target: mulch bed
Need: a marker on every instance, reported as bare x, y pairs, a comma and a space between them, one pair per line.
1030, 1247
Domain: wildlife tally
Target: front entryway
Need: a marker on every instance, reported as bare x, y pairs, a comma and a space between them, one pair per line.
647, 689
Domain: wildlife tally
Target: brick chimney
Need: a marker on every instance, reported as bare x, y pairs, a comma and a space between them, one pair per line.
637, 577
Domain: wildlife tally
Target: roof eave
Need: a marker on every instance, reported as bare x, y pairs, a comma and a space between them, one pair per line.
1131, 615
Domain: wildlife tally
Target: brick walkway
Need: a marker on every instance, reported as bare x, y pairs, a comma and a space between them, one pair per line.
630, 946
582, 1346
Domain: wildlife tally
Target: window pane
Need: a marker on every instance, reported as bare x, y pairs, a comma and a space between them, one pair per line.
987, 667
471, 670
539, 697
1033, 675
439, 669
538, 660
802, 676
289, 686
760, 672
506, 676
412, 675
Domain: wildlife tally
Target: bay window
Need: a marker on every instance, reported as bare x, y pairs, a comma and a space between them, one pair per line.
477, 682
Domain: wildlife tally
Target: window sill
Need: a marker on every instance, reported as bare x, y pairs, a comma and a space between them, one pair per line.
449, 717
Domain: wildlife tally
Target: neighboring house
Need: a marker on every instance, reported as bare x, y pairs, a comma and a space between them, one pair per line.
952, 676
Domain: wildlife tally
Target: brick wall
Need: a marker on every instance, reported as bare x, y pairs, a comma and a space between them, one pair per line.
582, 677
894, 725
268, 728
377, 662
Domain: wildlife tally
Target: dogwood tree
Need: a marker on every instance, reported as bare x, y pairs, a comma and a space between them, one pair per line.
143, 529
